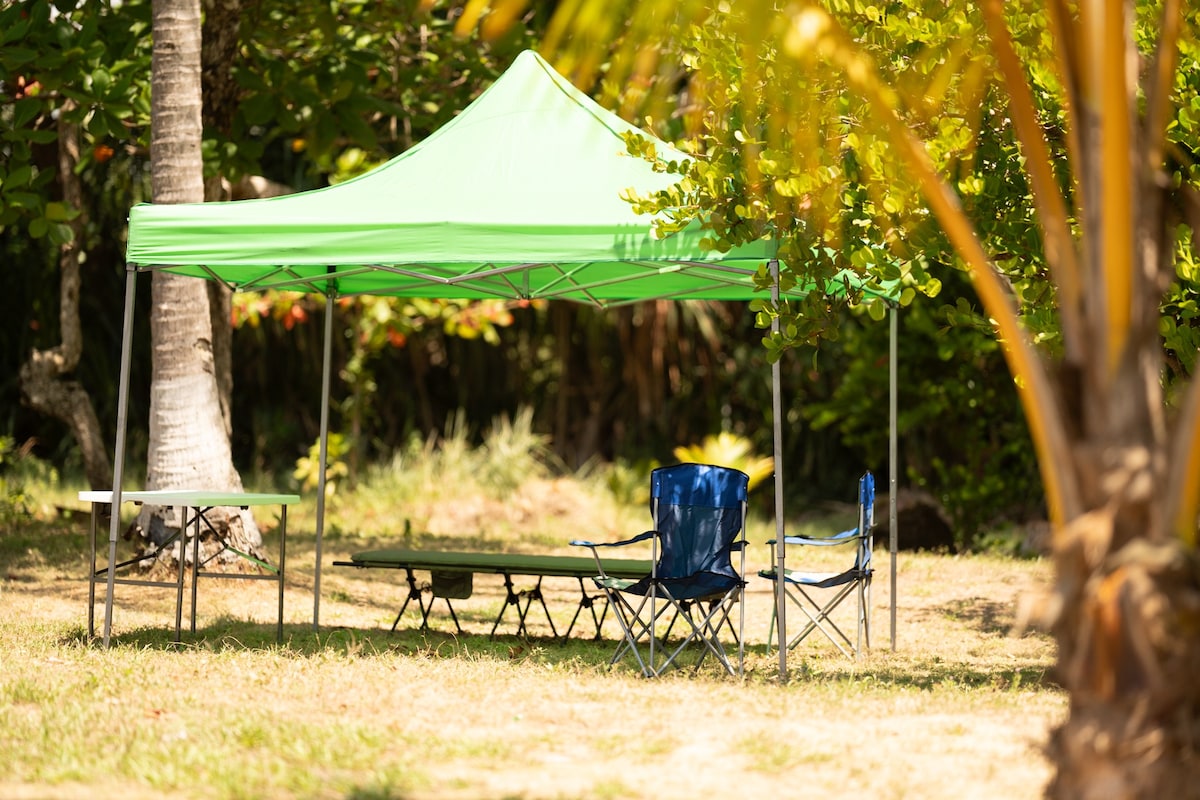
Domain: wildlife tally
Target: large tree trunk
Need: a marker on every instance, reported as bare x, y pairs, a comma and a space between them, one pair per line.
1129, 653
1129, 657
44, 386
1129, 589
189, 441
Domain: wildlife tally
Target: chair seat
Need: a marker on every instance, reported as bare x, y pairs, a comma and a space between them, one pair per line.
821, 580
700, 586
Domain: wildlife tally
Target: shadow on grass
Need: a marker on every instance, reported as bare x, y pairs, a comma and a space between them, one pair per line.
352, 643
928, 675
301, 641
987, 616
376, 793
761, 662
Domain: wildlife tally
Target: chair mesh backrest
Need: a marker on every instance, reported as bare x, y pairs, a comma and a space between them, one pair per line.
866, 518
697, 510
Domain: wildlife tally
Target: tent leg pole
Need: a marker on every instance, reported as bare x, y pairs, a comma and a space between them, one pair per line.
326, 366
781, 546
119, 449
893, 533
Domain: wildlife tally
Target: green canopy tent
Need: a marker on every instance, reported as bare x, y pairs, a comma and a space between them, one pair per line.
519, 196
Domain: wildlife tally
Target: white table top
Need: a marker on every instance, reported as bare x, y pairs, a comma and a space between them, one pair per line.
191, 497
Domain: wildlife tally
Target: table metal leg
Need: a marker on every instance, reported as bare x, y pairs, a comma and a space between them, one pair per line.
195, 522
92, 572
282, 562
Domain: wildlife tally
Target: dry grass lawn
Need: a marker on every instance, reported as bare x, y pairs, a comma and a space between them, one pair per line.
960, 709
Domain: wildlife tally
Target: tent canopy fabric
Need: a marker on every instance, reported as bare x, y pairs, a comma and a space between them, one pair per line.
519, 196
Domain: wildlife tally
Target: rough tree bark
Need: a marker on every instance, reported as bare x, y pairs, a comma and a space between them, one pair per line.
189, 442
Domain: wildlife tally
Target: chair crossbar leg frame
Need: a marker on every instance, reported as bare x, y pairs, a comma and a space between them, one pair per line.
864, 618
638, 629
629, 618
706, 632
682, 608
635, 629
820, 618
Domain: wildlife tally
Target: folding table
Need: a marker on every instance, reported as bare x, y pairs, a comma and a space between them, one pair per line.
195, 504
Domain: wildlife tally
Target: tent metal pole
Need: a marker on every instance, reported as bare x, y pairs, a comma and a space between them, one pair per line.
327, 361
893, 532
114, 523
780, 545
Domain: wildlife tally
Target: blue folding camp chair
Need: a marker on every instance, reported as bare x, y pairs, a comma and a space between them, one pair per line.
699, 514
805, 589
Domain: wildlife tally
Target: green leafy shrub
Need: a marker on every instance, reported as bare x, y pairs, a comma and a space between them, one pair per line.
19, 470
513, 452
308, 468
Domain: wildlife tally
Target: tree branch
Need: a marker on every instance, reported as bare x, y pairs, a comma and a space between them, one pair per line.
1111, 92
1061, 255
1183, 469
1159, 85
41, 377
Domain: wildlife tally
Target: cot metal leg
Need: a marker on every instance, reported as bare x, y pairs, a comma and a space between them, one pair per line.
510, 598
513, 598
589, 602
415, 592
453, 616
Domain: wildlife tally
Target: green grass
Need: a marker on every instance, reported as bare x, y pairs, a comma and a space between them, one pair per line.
960, 708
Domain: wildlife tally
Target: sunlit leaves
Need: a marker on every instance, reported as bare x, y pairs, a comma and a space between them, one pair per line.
84, 65
786, 150
376, 76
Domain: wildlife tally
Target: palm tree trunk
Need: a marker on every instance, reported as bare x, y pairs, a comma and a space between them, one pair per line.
189, 442
1128, 657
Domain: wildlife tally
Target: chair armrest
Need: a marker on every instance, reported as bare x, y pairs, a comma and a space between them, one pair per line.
641, 537
837, 538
